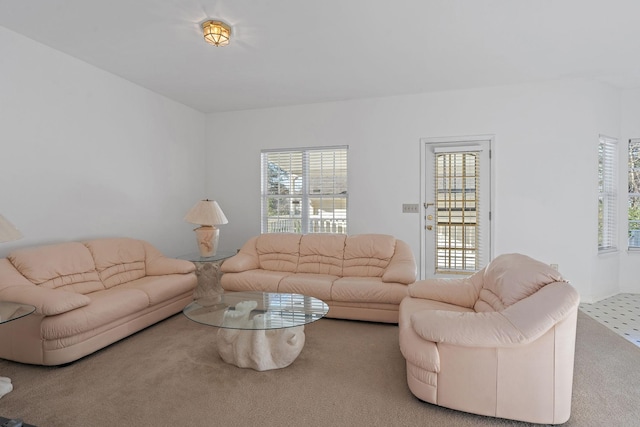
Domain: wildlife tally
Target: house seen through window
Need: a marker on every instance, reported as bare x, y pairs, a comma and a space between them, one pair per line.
304, 190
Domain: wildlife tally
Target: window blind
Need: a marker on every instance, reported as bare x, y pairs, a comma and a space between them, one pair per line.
607, 194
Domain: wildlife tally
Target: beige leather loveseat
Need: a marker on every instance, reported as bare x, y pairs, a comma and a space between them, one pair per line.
87, 296
498, 343
361, 277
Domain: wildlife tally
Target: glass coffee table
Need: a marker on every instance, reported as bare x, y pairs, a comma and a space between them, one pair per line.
258, 330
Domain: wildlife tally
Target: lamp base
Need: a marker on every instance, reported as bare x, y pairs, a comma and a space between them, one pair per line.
207, 237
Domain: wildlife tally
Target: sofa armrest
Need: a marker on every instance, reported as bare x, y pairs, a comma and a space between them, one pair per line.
238, 263
157, 264
245, 259
519, 324
163, 266
47, 302
462, 292
402, 266
467, 329
537, 313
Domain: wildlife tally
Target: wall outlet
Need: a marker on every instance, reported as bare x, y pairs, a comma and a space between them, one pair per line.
554, 266
410, 208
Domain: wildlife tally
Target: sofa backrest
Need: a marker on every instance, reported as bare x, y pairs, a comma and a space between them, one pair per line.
510, 278
67, 266
363, 255
367, 255
278, 251
322, 254
118, 260
82, 268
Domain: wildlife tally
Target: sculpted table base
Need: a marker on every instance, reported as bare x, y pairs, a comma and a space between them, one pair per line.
261, 331
261, 350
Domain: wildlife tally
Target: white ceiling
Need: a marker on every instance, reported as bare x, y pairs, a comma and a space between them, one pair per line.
287, 52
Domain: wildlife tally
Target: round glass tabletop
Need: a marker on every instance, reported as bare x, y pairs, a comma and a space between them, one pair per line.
256, 310
12, 310
196, 257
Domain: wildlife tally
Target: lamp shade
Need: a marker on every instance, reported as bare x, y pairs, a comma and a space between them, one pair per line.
206, 212
7, 231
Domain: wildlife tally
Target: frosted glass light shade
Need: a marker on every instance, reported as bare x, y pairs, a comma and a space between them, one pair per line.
216, 33
7, 231
206, 212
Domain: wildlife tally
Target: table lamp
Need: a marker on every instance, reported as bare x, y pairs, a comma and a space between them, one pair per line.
7, 233
207, 214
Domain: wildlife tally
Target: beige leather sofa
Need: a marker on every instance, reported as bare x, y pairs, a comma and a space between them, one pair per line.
87, 296
362, 277
498, 343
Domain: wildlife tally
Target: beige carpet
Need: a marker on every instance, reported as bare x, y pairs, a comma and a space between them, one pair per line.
349, 374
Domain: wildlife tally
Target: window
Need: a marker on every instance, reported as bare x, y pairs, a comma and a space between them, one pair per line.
457, 226
607, 197
634, 194
304, 190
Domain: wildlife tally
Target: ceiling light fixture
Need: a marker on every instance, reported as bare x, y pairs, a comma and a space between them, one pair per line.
216, 33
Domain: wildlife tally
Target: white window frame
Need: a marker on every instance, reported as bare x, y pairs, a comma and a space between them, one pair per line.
310, 184
607, 194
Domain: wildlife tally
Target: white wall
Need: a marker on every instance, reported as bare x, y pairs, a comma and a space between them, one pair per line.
85, 153
545, 164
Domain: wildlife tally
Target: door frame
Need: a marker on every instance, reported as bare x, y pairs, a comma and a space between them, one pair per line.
453, 142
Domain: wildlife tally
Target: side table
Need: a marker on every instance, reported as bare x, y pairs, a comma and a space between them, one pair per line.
208, 272
10, 311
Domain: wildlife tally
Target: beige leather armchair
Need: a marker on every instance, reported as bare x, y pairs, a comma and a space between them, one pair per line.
498, 343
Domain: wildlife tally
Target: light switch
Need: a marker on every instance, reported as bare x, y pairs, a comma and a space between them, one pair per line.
410, 208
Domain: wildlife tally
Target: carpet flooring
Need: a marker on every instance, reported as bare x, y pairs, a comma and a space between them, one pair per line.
348, 374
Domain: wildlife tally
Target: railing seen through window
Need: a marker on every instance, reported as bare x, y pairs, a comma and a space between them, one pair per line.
304, 190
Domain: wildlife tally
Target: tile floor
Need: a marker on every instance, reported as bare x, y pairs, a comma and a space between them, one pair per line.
620, 313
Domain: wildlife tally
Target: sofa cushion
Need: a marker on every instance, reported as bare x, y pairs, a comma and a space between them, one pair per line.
322, 254
512, 277
105, 307
253, 280
314, 285
67, 266
367, 289
162, 288
279, 251
367, 255
118, 260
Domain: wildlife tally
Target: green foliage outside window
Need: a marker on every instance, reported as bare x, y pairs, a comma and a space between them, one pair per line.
634, 193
